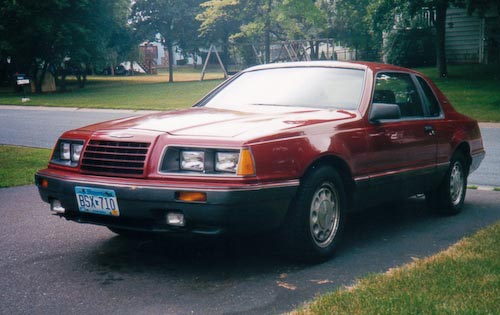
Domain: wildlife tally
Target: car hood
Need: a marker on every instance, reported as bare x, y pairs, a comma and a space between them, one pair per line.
251, 122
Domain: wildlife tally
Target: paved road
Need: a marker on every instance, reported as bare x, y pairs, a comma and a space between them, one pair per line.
41, 127
35, 127
52, 266
488, 173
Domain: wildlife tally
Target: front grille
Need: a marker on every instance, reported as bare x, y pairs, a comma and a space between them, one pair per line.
115, 158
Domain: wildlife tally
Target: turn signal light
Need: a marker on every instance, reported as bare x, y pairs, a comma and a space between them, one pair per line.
191, 196
246, 165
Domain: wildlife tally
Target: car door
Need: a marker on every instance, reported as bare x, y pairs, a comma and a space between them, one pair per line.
402, 151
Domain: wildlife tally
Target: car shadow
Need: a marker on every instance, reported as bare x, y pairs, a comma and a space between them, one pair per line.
192, 258
202, 258
387, 221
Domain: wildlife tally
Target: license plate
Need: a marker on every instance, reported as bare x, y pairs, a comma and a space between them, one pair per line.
97, 201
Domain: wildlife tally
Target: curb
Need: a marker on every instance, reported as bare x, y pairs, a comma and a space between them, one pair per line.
489, 125
483, 188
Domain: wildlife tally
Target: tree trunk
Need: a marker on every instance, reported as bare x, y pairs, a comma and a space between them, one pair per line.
195, 60
441, 7
35, 78
84, 77
170, 61
225, 53
78, 74
78, 77
267, 31
39, 81
314, 50
62, 81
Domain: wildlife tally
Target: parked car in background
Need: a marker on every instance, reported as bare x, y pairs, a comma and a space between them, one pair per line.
290, 147
118, 70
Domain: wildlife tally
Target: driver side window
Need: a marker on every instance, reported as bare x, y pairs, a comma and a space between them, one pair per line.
398, 88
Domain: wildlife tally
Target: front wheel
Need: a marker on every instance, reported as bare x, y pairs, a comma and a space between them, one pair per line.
449, 197
316, 217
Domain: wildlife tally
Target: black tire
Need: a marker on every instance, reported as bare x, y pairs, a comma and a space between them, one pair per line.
448, 198
316, 217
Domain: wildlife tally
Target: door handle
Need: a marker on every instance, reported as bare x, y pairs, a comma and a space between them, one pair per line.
429, 130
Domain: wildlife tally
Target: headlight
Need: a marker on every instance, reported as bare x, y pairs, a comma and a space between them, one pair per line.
226, 161
67, 152
71, 151
193, 161
76, 151
208, 161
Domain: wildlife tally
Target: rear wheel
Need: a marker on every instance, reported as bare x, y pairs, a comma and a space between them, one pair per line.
449, 197
316, 217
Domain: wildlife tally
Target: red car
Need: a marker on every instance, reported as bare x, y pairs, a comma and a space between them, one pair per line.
290, 147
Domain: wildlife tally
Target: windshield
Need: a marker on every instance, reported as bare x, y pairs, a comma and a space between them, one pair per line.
316, 87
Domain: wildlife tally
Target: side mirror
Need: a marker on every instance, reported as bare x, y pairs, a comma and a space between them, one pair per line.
381, 111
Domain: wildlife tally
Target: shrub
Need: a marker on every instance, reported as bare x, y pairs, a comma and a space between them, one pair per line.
411, 47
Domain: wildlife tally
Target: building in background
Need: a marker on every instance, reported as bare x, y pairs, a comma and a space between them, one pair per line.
472, 38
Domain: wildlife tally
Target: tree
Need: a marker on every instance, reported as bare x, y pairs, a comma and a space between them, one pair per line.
306, 20
220, 19
263, 21
119, 42
174, 20
242, 21
56, 35
103, 31
383, 12
301, 19
258, 24
350, 26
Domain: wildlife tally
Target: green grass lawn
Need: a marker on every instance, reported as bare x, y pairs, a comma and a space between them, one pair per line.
19, 164
126, 92
472, 89
465, 279
121, 94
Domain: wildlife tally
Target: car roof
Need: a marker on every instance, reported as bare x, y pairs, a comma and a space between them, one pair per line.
361, 65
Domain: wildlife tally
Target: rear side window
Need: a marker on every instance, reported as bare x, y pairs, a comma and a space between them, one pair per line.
398, 88
429, 98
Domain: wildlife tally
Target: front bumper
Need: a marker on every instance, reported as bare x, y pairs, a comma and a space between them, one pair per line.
476, 160
144, 204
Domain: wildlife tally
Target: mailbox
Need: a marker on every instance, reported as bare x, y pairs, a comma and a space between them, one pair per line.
22, 80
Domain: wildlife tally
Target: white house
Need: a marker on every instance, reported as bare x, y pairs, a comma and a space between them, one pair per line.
472, 38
